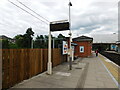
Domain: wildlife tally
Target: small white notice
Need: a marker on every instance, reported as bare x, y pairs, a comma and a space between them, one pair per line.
82, 49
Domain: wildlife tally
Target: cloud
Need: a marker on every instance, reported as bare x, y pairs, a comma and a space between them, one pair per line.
87, 17
98, 15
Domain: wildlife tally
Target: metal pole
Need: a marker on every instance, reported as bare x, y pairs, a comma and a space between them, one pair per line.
32, 44
53, 43
70, 60
49, 68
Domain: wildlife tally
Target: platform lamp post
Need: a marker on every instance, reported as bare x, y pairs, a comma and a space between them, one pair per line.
70, 49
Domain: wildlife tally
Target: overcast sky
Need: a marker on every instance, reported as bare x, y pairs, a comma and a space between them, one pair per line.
88, 17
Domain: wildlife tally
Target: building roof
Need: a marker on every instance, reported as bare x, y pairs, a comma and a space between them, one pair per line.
83, 38
4, 37
105, 38
117, 42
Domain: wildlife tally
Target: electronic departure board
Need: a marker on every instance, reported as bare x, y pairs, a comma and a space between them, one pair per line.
59, 26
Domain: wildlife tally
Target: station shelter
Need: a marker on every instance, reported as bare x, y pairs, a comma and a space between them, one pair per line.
83, 47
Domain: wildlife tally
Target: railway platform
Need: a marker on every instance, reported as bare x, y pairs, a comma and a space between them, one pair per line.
93, 72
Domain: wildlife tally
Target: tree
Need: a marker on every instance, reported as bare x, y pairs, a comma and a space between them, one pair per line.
58, 41
29, 32
61, 36
19, 41
27, 38
46, 41
5, 44
24, 41
0, 44
39, 42
13, 46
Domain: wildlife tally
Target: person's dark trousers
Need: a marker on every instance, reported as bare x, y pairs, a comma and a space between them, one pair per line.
96, 54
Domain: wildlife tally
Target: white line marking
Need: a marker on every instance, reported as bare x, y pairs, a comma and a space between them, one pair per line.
110, 74
63, 74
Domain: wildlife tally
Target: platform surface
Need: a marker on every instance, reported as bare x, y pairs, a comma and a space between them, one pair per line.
86, 73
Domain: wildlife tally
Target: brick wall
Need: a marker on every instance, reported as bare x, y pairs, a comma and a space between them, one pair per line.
87, 49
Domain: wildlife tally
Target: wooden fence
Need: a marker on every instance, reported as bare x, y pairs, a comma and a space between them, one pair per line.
21, 64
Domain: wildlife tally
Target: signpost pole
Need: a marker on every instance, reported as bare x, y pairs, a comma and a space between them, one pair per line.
70, 60
49, 68
54, 26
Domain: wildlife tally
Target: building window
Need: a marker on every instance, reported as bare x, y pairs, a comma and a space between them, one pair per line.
82, 49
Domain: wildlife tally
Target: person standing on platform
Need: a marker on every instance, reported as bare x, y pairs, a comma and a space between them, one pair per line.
96, 52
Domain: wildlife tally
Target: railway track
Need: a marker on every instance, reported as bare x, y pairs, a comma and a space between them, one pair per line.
113, 56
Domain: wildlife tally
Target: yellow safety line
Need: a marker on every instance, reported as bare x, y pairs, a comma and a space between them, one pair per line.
112, 68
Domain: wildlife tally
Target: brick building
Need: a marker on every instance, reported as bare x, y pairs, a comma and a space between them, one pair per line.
83, 47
